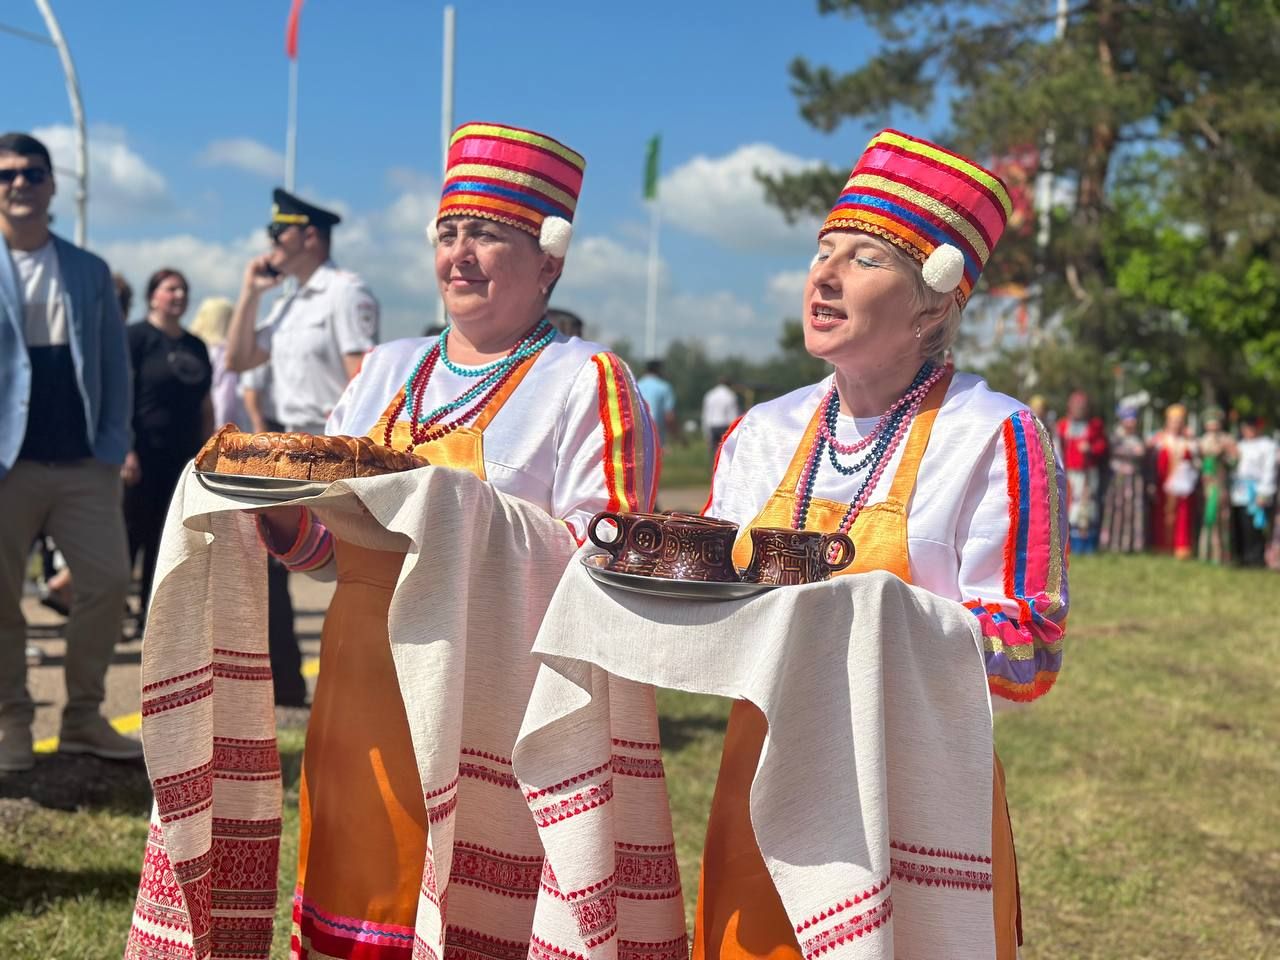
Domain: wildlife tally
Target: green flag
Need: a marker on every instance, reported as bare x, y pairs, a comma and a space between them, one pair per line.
651, 168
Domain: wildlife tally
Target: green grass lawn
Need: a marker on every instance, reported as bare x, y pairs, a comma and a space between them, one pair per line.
1145, 789
686, 464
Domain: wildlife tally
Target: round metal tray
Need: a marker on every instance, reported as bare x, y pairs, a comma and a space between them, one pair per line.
673, 589
259, 489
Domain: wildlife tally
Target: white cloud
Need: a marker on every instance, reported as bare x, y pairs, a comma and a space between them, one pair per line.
606, 283
720, 198
784, 292
387, 247
605, 279
241, 153
212, 269
123, 187
603, 264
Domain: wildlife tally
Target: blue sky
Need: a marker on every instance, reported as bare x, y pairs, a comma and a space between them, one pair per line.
187, 108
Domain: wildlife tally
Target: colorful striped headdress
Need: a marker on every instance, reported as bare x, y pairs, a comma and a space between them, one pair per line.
513, 176
946, 211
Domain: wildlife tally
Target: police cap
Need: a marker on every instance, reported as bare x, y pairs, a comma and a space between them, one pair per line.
288, 210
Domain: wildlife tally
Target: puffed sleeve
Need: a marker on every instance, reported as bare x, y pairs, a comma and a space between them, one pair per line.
721, 471
355, 319
1013, 564
608, 457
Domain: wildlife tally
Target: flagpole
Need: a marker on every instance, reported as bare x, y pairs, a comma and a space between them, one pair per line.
651, 301
77, 114
291, 135
446, 119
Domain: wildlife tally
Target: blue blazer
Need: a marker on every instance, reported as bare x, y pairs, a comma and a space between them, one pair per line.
98, 347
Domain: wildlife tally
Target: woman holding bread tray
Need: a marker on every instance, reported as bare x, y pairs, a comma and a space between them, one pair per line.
501, 394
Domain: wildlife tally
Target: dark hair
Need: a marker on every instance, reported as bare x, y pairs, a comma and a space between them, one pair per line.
160, 276
566, 321
25, 145
653, 366
325, 232
124, 293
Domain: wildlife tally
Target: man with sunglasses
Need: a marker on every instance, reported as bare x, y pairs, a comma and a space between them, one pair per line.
312, 342
64, 432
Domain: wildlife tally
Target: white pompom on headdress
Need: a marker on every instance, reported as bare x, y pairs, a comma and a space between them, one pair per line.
555, 235
433, 234
944, 268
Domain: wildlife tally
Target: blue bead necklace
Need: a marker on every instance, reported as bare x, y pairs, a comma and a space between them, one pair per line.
531, 344
887, 435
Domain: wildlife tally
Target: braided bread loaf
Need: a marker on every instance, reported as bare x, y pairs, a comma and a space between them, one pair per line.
300, 456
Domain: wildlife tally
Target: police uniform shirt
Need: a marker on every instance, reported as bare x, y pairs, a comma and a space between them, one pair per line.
307, 334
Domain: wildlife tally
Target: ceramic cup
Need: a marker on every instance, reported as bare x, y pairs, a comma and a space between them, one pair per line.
788, 557
635, 543
696, 548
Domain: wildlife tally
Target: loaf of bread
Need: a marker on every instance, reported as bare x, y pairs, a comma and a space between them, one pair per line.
300, 456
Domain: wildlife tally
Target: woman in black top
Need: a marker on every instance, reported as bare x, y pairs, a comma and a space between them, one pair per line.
172, 415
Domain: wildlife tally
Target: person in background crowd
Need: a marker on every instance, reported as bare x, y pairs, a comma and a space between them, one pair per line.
124, 294
660, 398
172, 417
1172, 496
64, 432
567, 322
719, 411
1217, 452
1253, 492
313, 338
1124, 512
55, 587
1083, 440
313, 341
254, 387
1273, 548
210, 325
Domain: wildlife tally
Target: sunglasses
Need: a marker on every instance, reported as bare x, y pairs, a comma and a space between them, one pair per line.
33, 175
276, 230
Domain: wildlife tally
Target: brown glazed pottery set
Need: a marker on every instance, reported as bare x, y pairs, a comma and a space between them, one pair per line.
685, 546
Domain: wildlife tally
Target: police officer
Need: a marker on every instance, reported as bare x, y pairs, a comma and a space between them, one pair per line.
312, 341
314, 337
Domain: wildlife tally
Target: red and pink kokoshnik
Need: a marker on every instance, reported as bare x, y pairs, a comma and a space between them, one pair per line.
945, 210
519, 177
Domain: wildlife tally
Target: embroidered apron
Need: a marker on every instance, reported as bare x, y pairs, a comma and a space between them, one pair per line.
363, 832
739, 915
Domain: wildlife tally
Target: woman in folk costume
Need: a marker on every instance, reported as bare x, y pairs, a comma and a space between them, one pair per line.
937, 478
1176, 478
1124, 512
549, 419
1082, 441
1217, 451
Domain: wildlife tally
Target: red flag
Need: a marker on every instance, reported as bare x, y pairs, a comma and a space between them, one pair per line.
291, 31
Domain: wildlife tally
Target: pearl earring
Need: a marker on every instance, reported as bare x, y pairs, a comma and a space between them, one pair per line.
917, 331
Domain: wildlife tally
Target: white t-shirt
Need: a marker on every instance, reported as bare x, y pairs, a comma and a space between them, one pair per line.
719, 407
307, 334
55, 429
44, 313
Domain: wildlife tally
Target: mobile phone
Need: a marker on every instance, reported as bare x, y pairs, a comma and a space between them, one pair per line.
267, 270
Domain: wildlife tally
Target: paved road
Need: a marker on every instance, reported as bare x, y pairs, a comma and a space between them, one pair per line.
310, 601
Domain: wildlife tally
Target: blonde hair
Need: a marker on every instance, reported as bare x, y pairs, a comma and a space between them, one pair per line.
938, 340
212, 320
